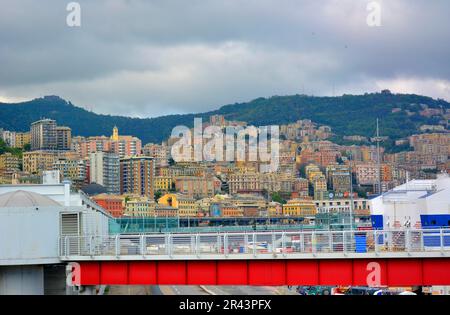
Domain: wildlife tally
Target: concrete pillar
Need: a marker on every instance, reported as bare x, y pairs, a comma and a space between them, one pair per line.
22, 280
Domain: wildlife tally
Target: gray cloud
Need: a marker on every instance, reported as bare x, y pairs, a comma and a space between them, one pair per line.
148, 58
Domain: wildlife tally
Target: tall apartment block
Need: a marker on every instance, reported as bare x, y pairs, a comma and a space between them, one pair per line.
43, 135
46, 135
137, 175
105, 170
63, 138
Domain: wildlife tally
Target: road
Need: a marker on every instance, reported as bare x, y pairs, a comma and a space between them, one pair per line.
129, 290
225, 290
248, 290
197, 290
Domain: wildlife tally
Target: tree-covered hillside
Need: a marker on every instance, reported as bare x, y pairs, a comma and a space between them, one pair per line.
347, 115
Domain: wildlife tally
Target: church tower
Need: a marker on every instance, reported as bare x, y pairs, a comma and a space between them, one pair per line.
115, 135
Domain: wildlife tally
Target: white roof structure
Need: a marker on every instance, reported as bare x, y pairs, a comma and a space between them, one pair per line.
21, 198
405, 204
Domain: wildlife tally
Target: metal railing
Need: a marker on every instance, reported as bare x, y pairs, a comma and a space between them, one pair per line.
257, 243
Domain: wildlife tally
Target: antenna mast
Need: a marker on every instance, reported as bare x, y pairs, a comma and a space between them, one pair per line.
378, 139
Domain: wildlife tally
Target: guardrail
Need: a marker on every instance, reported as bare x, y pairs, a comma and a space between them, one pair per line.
284, 243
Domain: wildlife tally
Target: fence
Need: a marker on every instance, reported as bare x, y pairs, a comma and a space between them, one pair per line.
257, 243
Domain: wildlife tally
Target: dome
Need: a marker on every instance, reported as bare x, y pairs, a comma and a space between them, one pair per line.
20, 198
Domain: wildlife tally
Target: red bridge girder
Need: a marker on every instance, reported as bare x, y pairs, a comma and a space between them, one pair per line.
392, 272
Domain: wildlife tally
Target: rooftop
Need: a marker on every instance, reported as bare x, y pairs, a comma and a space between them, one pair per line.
20, 198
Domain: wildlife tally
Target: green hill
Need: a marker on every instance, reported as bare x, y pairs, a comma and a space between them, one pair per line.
347, 115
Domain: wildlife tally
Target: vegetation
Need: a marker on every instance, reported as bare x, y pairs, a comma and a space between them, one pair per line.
6, 149
277, 198
346, 115
158, 194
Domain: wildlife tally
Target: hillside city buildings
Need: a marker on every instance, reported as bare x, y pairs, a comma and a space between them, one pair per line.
315, 177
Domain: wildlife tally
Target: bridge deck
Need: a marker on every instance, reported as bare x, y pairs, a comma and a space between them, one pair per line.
394, 258
261, 245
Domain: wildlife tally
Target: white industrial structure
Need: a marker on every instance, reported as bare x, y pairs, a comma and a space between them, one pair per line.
415, 204
32, 220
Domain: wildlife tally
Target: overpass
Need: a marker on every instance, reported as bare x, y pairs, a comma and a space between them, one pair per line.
375, 257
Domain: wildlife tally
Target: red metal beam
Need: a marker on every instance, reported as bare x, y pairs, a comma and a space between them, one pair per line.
390, 272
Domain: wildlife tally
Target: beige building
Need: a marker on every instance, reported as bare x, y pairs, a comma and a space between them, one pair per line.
197, 186
63, 138
35, 162
139, 207
22, 138
73, 169
244, 182
9, 165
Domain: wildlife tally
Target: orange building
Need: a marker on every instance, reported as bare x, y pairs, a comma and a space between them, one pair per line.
231, 211
114, 204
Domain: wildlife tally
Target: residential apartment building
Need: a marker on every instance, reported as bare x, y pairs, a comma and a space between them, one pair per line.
184, 205
35, 162
73, 169
160, 153
244, 182
231, 211
137, 175
104, 169
46, 135
43, 135
9, 165
114, 204
339, 178
125, 146
197, 186
22, 139
139, 206
63, 138
163, 183
300, 208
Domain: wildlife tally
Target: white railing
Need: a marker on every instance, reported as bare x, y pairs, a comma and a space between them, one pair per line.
254, 244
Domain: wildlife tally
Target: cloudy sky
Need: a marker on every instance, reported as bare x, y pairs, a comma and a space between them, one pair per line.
154, 57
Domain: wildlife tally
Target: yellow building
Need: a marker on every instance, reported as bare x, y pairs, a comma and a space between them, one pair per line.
187, 207
9, 164
22, 138
312, 171
35, 162
299, 207
320, 183
163, 183
139, 207
274, 209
